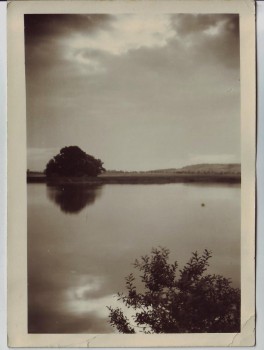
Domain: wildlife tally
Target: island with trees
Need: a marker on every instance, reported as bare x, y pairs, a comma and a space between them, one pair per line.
73, 165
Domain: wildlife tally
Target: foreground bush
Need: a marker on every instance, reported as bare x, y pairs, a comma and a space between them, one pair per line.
178, 301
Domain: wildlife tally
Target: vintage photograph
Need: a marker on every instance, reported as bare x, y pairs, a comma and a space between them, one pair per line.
131, 173
133, 127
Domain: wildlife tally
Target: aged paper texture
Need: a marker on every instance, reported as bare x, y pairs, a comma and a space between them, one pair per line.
154, 89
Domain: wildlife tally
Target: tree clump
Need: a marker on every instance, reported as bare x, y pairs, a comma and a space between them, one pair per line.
178, 301
73, 162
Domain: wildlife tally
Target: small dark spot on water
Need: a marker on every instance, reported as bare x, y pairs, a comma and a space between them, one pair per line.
202, 205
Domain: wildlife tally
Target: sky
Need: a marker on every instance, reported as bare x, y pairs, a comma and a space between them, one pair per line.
138, 91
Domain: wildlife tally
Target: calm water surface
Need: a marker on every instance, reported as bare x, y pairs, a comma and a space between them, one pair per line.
82, 242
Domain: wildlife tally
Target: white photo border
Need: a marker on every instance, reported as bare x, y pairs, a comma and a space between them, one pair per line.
17, 210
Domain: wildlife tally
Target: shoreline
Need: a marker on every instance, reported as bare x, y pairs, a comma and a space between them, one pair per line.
138, 179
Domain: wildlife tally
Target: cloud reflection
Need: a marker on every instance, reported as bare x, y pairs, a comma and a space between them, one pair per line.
72, 199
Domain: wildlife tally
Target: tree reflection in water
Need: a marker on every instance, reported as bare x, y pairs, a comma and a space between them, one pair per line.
72, 199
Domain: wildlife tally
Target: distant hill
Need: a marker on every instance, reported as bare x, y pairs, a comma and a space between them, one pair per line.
214, 168
190, 169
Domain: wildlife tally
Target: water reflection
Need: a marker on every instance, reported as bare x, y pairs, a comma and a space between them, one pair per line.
76, 263
72, 199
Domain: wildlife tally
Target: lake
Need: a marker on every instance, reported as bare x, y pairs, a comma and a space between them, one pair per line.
82, 241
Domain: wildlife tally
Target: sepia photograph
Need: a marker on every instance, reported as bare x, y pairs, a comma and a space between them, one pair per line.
134, 173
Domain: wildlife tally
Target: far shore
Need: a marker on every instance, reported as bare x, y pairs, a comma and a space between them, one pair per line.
146, 178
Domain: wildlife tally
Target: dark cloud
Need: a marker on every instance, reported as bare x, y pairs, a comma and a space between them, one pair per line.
212, 37
47, 26
42, 32
187, 24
